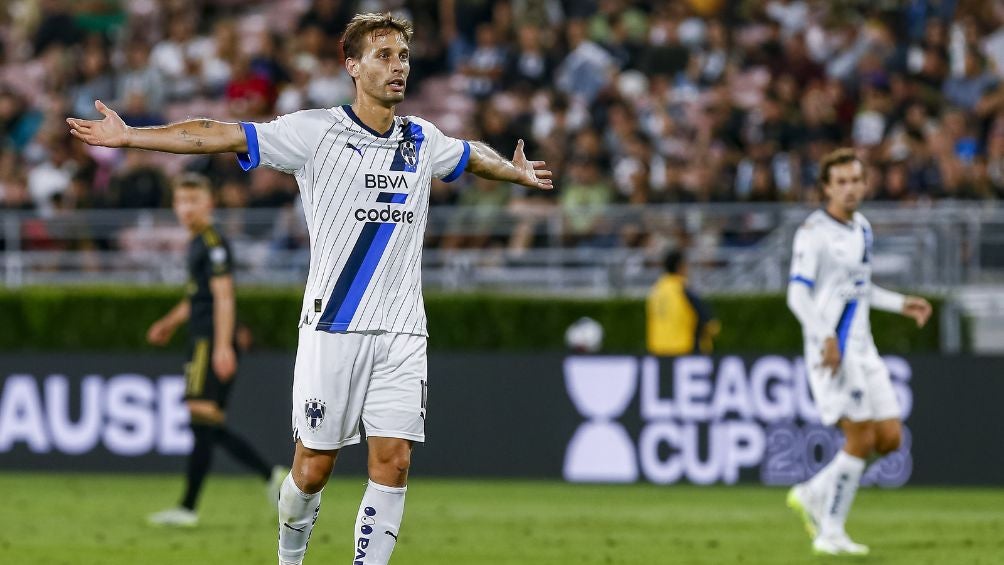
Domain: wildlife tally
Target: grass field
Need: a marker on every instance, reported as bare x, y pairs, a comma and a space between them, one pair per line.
98, 519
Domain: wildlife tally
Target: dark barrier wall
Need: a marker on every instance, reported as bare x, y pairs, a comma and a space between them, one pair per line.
592, 418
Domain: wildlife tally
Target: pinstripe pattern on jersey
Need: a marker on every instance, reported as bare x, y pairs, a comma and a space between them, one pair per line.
366, 253
401, 268
325, 242
366, 273
358, 271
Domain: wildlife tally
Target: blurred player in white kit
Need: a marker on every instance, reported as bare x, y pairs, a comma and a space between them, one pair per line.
830, 292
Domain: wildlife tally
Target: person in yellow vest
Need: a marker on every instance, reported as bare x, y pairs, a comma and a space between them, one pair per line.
679, 323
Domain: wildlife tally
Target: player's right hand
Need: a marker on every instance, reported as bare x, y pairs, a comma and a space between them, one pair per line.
159, 333
109, 132
831, 355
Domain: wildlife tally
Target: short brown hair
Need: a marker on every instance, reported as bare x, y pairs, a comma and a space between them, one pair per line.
193, 181
838, 157
366, 25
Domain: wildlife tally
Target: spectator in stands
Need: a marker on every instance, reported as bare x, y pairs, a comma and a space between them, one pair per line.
141, 87
14, 193
967, 91
19, 121
271, 189
219, 57
51, 176
584, 198
248, 93
678, 322
139, 183
697, 101
329, 16
486, 64
329, 85
175, 58
529, 65
58, 27
459, 21
476, 221
894, 187
587, 69
95, 82
267, 59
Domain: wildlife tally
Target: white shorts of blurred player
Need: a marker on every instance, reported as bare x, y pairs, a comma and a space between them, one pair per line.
342, 379
860, 391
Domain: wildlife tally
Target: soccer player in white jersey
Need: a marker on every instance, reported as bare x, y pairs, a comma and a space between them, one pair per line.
364, 176
830, 291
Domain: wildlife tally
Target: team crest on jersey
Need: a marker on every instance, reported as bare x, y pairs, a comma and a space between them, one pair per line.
313, 412
408, 148
409, 153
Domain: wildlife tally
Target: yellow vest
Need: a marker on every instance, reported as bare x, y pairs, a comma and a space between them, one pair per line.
671, 318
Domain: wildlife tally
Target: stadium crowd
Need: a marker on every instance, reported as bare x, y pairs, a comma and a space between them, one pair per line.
632, 102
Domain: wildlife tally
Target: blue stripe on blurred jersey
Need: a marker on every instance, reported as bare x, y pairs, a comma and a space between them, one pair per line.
800, 279
844, 325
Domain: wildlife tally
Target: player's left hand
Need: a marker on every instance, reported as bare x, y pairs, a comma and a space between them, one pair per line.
534, 173
224, 363
917, 308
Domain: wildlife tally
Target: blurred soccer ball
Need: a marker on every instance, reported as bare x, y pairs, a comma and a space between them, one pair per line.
585, 335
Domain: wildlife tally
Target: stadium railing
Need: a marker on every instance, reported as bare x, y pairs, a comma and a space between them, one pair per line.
731, 247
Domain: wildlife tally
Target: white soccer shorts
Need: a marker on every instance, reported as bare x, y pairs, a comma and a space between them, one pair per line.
340, 379
860, 391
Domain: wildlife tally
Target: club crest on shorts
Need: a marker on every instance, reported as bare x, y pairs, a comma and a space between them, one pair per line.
313, 412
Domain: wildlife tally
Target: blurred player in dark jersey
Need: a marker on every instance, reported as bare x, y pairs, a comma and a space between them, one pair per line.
209, 308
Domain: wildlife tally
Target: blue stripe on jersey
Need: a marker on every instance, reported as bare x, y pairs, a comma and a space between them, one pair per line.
800, 279
459, 169
392, 197
355, 277
844, 325
252, 158
869, 240
413, 134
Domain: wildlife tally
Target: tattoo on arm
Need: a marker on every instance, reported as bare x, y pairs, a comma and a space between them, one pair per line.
192, 138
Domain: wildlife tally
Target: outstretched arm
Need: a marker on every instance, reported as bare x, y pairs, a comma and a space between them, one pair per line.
487, 163
915, 307
190, 137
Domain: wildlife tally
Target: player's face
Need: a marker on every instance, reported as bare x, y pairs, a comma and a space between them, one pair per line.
382, 71
847, 186
193, 206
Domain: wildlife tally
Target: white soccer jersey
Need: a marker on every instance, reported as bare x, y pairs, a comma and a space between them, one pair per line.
366, 201
833, 260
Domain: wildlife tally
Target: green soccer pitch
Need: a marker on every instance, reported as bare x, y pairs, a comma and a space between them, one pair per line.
56, 519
